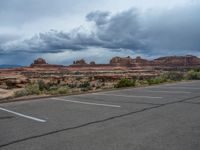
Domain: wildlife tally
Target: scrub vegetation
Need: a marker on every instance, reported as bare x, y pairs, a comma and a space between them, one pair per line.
42, 88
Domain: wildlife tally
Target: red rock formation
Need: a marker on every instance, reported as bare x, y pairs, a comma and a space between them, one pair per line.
92, 63
141, 62
41, 63
119, 61
128, 61
177, 61
171, 61
80, 62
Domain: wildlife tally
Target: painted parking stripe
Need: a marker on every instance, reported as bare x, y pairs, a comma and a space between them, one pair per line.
168, 91
86, 103
22, 115
126, 95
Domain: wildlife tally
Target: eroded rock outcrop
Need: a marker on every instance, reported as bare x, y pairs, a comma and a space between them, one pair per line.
128, 61
119, 61
177, 61
41, 63
170, 61
80, 62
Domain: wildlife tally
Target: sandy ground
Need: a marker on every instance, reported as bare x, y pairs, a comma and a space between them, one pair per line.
6, 93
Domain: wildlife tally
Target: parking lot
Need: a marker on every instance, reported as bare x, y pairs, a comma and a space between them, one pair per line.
162, 117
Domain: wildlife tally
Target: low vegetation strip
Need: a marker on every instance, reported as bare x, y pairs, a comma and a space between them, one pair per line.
42, 88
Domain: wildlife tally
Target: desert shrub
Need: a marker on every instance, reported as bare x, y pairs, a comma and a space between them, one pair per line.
84, 85
56, 90
124, 82
30, 89
77, 73
42, 85
20, 93
33, 89
63, 90
193, 75
174, 76
86, 89
157, 80
141, 82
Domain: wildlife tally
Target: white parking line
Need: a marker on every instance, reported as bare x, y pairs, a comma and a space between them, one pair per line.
22, 115
168, 91
126, 95
86, 103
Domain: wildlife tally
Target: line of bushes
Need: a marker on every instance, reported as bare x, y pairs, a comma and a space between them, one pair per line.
124, 82
166, 77
193, 74
39, 87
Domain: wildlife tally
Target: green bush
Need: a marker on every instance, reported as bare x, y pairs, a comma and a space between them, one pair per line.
124, 82
54, 90
175, 76
63, 90
30, 89
33, 89
141, 82
21, 93
42, 85
84, 85
157, 80
193, 75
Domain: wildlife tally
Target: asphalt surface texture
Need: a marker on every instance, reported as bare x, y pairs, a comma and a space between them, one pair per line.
162, 117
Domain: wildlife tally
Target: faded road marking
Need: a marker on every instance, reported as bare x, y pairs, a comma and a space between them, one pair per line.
22, 115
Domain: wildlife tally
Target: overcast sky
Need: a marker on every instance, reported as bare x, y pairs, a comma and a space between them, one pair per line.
64, 30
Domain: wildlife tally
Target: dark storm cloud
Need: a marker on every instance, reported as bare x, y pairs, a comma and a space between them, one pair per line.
175, 31
100, 18
121, 31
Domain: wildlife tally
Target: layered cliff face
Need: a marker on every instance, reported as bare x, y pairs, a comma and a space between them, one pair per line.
119, 61
171, 61
128, 61
176, 61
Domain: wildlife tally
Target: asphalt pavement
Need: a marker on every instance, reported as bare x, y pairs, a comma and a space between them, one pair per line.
162, 117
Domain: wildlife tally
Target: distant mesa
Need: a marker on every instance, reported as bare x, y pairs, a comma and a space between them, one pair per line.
40, 62
169, 61
129, 62
92, 63
80, 62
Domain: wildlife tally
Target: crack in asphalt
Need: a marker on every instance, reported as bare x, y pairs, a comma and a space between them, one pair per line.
94, 122
6, 117
195, 103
